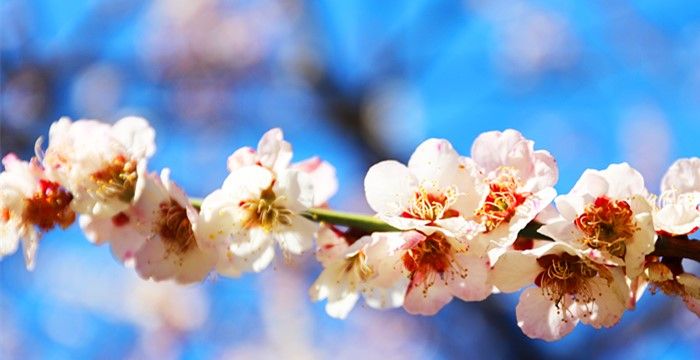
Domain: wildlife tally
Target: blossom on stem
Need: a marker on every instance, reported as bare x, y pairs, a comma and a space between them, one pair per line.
437, 191
30, 204
433, 200
520, 182
102, 165
255, 208
357, 266
126, 231
440, 267
670, 279
569, 288
171, 248
679, 209
607, 211
275, 154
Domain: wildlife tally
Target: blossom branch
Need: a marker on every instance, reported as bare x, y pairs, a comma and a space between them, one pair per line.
680, 247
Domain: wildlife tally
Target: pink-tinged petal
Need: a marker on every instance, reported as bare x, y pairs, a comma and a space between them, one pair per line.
245, 156
323, 178
330, 245
154, 261
514, 271
120, 231
426, 294
608, 307
495, 149
475, 286
412, 238
273, 151
683, 176
435, 164
539, 318
389, 187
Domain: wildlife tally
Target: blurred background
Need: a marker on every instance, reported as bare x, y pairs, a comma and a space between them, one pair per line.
354, 82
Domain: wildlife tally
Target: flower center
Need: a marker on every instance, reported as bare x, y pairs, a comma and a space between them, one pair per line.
174, 227
502, 201
433, 254
357, 265
266, 212
117, 180
565, 274
606, 224
48, 207
431, 206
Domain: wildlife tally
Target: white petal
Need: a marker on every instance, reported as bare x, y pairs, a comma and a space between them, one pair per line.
388, 187
340, 308
624, 181
683, 176
247, 182
422, 300
435, 164
539, 318
607, 309
642, 244
514, 270
298, 237
136, 135
475, 286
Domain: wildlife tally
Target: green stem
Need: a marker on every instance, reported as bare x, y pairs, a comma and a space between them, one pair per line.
665, 245
357, 221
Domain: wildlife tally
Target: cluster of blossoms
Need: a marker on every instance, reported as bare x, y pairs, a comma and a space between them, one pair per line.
455, 226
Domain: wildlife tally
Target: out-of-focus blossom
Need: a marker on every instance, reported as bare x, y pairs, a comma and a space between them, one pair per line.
569, 288
127, 231
172, 249
275, 154
608, 211
29, 205
254, 209
661, 276
102, 165
357, 266
520, 182
679, 211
